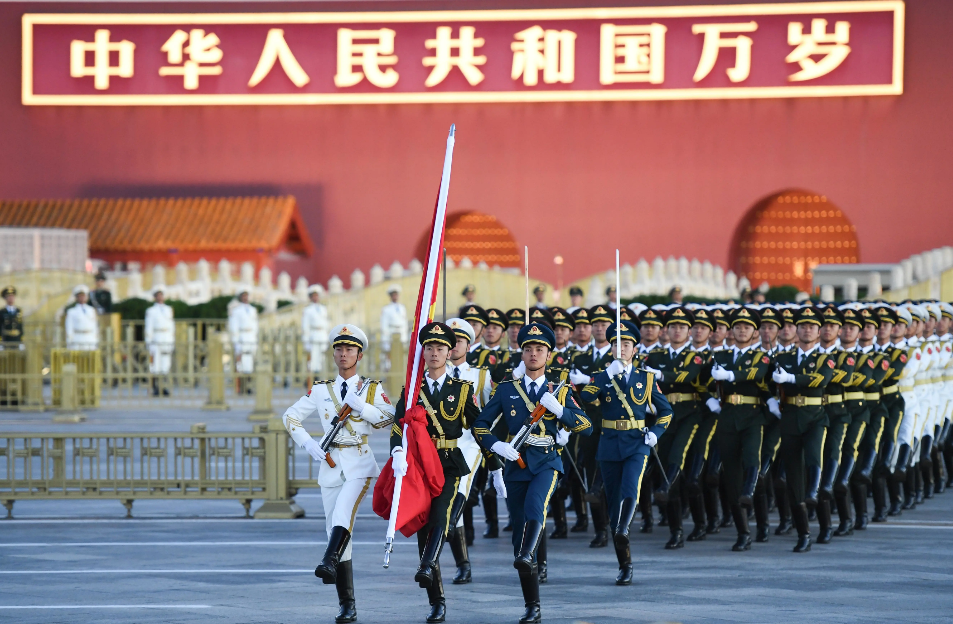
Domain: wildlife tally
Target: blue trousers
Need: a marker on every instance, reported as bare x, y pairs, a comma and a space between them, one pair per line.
528, 500
622, 479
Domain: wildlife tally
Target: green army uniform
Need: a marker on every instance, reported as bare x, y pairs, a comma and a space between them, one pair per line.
11, 326
478, 354
770, 441
677, 372
739, 431
804, 424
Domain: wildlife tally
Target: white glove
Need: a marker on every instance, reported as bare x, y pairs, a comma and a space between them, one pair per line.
578, 378
314, 449
654, 371
713, 405
497, 478
357, 403
22, 347
720, 374
650, 438
519, 371
774, 407
552, 404
562, 437
781, 376
400, 462
505, 450
615, 368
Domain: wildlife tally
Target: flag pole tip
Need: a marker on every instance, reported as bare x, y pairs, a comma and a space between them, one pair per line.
453, 129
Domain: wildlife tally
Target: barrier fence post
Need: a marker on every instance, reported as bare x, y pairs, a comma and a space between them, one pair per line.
278, 504
263, 381
69, 396
216, 375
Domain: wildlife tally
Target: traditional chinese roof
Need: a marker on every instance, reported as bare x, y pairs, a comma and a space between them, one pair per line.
184, 224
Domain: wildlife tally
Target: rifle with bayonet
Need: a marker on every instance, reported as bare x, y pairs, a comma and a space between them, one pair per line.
337, 424
531, 421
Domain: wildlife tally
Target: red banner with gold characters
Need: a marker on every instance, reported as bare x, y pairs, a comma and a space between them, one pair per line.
819, 49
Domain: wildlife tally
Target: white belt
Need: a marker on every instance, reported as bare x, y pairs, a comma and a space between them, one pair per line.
535, 440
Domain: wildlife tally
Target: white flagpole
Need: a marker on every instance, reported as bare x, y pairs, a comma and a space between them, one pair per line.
618, 311
526, 273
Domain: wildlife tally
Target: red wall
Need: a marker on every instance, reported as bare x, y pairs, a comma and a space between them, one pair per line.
669, 178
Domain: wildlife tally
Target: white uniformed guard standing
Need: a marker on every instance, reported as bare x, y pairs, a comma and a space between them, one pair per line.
394, 319
314, 330
243, 331
349, 476
82, 324
160, 339
458, 368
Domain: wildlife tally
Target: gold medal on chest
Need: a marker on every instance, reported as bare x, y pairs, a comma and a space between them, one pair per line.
513, 412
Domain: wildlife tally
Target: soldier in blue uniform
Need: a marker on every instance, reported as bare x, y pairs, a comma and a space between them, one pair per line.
627, 395
529, 489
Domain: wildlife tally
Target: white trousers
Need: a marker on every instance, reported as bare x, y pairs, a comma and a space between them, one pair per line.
246, 365
315, 361
160, 359
340, 506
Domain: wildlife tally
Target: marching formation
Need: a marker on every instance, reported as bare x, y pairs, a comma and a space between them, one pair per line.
721, 413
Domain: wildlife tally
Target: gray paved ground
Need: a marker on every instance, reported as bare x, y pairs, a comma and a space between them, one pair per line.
201, 562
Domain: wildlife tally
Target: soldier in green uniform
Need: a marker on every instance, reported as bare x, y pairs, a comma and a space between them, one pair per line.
11, 321
739, 373
478, 319
893, 345
677, 368
585, 366
100, 298
839, 418
450, 409
771, 323
803, 375
493, 338
559, 365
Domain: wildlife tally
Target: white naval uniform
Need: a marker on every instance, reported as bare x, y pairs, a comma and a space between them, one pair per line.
480, 378
243, 331
160, 337
82, 328
911, 408
394, 321
946, 379
314, 335
344, 486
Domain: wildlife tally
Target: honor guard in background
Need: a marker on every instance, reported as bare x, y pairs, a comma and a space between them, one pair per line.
838, 415
450, 410
739, 375
468, 293
314, 331
651, 322
560, 360
576, 298
771, 323
676, 369
717, 341
160, 339
675, 295
627, 395
344, 485
461, 514
101, 299
11, 321
529, 488
896, 386
803, 374
493, 337
539, 291
581, 338
515, 320
82, 325
478, 319
394, 320
243, 331
612, 298
787, 337
586, 365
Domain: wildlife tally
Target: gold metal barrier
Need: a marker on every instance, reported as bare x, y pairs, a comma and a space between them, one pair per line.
131, 466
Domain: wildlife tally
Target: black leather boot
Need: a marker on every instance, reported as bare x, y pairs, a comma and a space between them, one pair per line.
492, 530
648, 515
542, 558
747, 490
826, 529
579, 506
762, 519
661, 492
677, 539
842, 482
458, 546
712, 509
813, 485
910, 490
697, 506
530, 586
846, 525
727, 519
926, 466
917, 484
600, 521
327, 569
626, 512
740, 515
468, 532
886, 452
903, 458
693, 474
429, 558
345, 587
799, 514
865, 471
829, 475
879, 494
438, 602
624, 554
858, 495
525, 562
560, 523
